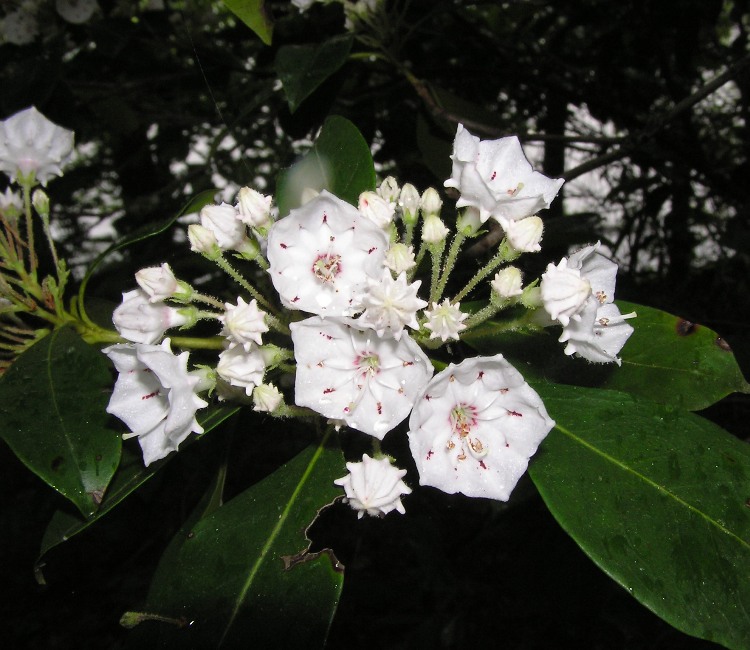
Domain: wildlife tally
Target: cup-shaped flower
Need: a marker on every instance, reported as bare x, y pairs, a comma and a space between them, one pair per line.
599, 334
224, 222
374, 487
243, 323
242, 369
495, 177
141, 321
475, 427
390, 305
346, 373
321, 255
158, 282
445, 320
154, 396
32, 145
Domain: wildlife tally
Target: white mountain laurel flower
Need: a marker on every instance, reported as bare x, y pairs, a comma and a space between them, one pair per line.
139, 320
240, 368
475, 427
243, 323
495, 177
433, 229
599, 334
390, 305
321, 255
408, 201
346, 373
155, 396
202, 240
430, 203
374, 487
266, 398
445, 320
31, 144
564, 291
400, 258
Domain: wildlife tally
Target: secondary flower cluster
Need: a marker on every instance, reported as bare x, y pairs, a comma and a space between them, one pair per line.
360, 324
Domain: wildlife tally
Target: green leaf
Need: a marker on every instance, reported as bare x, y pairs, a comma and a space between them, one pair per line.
255, 15
340, 162
302, 68
52, 415
244, 572
130, 475
659, 498
666, 360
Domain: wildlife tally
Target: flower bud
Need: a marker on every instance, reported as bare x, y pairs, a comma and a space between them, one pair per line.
376, 209
253, 207
430, 203
203, 241
137, 320
523, 235
224, 222
400, 258
469, 222
507, 282
158, 282
11, 204
433, 230
409, 203
564, 291
389, 189
267, 398
40, 201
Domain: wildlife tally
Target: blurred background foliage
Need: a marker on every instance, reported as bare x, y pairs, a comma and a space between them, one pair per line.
168, 99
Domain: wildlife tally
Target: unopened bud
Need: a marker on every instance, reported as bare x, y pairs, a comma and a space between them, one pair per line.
430, 203
389, 189
203, 241
508, 282
40, 201
409, 203
376, 209
469, 222
524, 235
433, 230
253, 207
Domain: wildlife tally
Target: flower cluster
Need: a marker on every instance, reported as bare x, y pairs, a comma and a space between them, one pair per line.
338, 295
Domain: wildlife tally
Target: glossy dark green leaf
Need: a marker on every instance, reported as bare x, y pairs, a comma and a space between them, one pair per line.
302, 68
658, 497
340, 162
666, 360
243, 573
255, 15
52, 415
130, 475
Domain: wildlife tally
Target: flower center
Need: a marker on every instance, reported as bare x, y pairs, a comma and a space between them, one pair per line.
462, 418
326, 267
368, 362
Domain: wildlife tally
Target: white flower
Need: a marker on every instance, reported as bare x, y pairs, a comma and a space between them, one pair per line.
76, 11
254, 208
445, 321
321, 255
600, 333
202, 240
140, 321
374, 486
433, 229
494, 176
345, 373
267, 398
240, 368
154, 396
508, 282
243, 323
376, 209
30, 143
564, 291
475, 427
158, 282
225, 224
400, 258
390, 305
525, 234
